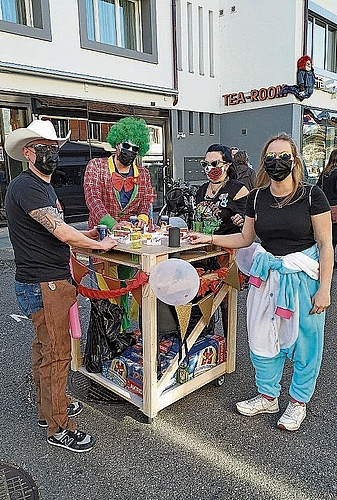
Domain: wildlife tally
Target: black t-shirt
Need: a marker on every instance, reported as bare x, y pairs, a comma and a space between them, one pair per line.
328, 183
222, 207
39, 255
288, 229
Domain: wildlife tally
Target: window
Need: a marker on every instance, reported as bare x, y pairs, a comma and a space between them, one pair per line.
115, 22
191, 122
319, 139
26, 17
180, 121
201, 123
211, 124
201, 40
211, 43
121, 27
61, 126
179, 37
94, 131
190, 37
322, 43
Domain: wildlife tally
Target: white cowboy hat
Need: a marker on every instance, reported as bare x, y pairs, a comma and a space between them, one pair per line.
38, 129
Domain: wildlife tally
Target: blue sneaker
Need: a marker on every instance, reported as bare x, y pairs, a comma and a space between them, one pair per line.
77, 441
73, 410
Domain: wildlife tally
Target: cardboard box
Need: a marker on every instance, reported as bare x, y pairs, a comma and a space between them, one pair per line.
127, 370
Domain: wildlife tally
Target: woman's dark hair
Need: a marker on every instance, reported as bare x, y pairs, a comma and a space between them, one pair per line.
226, 156
332, 163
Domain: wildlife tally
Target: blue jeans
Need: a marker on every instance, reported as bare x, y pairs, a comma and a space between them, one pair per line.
29, 297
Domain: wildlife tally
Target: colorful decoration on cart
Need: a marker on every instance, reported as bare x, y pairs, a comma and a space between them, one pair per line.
213, 280
174, 282
114, 285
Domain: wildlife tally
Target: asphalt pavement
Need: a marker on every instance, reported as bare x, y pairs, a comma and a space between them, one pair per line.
199, 448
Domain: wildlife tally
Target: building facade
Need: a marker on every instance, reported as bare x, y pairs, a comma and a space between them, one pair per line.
198, 72
229, 92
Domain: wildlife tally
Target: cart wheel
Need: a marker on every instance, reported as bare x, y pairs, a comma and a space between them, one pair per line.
219, 381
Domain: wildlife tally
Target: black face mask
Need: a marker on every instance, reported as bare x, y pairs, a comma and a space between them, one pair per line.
278, 169
126, 157
47, 162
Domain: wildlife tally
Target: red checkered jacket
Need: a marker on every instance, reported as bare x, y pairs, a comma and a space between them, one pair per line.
101, 198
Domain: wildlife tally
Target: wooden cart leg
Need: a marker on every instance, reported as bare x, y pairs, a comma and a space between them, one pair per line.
231, 335
149, 334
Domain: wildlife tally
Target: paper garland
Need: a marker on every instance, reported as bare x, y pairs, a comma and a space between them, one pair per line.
184, 315
206, 307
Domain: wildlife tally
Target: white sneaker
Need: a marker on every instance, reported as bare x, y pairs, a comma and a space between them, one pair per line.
292, 417
257, 405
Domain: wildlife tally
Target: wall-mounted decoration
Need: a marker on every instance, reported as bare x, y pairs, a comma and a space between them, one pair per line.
305, 80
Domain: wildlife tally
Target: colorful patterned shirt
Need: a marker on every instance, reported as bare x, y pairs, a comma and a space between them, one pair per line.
102, 199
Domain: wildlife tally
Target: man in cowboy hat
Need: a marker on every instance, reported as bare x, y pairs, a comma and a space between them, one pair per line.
43, 287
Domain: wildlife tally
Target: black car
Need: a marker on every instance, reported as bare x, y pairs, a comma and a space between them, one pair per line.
68, 178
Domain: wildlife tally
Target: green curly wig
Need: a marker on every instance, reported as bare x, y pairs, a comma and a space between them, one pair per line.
133, 130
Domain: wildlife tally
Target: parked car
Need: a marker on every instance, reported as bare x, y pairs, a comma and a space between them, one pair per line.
68, 178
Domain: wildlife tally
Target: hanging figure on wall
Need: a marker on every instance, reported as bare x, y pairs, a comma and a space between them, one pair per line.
305, 80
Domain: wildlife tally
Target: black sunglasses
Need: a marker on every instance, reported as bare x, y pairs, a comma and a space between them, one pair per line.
284, 156
126, 145
211, 164
44, 148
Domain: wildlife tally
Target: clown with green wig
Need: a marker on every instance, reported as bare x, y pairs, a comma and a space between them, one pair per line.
116, 189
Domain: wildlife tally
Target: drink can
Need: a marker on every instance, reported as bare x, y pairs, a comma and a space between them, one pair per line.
133, 219
136, 240
182, 374
102, 231
164, 219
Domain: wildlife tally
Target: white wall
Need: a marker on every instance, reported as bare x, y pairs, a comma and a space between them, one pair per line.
199, 92
64, 54
261, 43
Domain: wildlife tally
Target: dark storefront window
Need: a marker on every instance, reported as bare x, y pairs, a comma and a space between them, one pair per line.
319, 139
10, 119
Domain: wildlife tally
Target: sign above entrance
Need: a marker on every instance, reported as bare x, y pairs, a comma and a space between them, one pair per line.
254, 95
326, 85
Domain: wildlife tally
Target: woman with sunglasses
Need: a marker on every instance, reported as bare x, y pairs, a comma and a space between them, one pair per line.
290, 277
220, 202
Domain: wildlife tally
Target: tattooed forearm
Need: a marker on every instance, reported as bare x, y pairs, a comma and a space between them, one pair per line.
47, 217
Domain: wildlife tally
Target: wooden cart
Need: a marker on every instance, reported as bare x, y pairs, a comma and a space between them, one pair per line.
155, 394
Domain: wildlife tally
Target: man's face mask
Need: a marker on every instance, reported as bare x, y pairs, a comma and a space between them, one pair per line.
127, 154
278, 166
47, 157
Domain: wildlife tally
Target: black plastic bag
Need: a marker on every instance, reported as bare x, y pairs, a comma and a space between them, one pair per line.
105, 341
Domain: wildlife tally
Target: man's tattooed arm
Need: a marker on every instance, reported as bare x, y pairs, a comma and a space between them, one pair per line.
50, 219
47, 217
